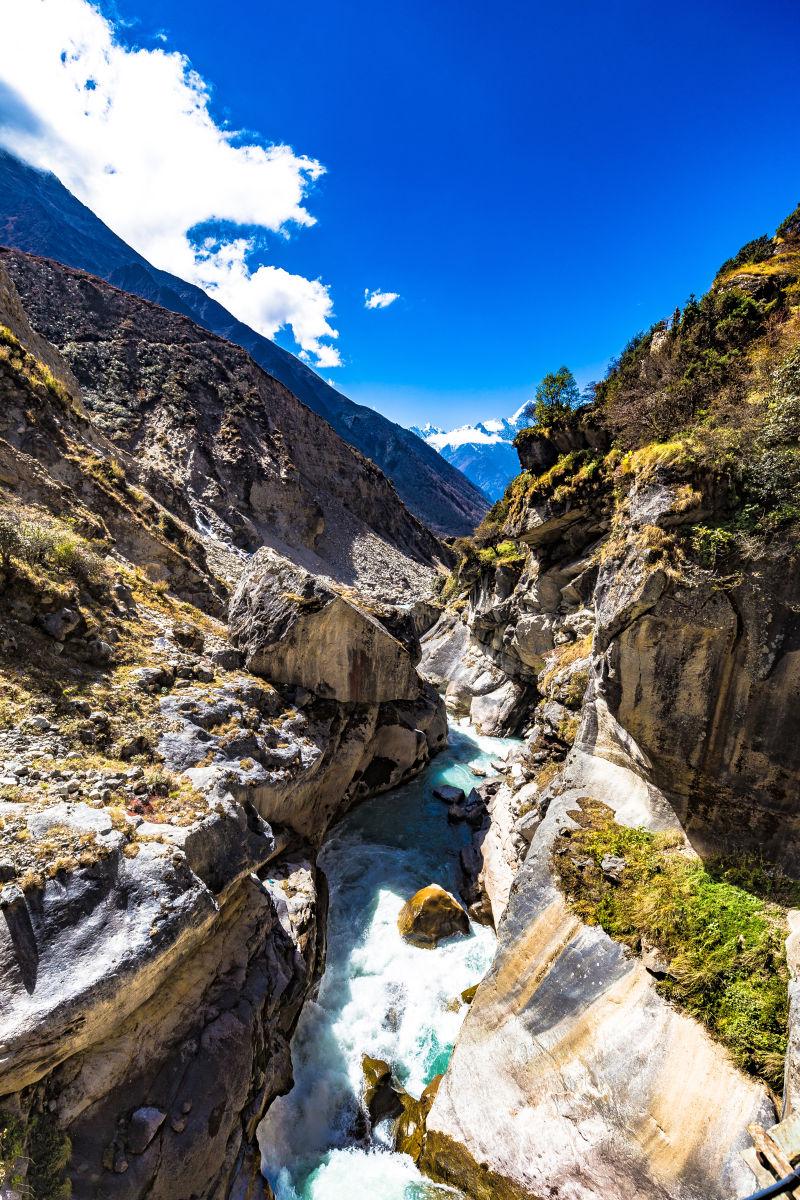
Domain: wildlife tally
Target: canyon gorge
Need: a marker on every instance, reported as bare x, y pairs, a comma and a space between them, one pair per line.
252, 704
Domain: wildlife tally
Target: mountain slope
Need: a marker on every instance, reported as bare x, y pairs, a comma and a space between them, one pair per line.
633, 602
226, 449
483, 452
40, 216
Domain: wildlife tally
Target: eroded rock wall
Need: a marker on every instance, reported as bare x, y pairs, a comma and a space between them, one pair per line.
651, 684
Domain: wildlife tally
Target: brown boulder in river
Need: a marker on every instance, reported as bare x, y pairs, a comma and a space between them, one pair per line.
382, 1096
430, 915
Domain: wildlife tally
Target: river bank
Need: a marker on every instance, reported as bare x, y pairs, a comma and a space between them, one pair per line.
378, 995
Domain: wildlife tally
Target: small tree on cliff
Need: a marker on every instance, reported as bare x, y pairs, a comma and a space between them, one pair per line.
556, 396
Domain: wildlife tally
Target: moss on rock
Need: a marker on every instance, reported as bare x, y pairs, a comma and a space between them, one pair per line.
718, 928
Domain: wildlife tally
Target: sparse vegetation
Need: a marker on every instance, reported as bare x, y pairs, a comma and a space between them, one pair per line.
506, 553
790, 225
34, 373
573, 479
712, 545
700, 372
34, 1156
50, 1151
758, 250
45, 544
571, 694
12, 1152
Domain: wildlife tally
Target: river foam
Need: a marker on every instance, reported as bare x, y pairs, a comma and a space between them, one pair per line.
378, 996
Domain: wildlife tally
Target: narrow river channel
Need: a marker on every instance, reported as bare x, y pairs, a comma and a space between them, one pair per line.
378, 996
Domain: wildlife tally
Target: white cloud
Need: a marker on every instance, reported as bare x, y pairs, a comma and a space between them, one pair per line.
130, 133
270, 297
378, 299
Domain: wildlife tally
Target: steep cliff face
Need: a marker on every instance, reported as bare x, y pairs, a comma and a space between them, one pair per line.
632, 607
163, 791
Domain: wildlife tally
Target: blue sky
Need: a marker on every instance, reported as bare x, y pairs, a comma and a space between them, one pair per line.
537, 182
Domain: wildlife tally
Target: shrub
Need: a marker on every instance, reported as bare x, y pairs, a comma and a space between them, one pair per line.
50, 1152
663, 378
556, 395
46, 544
790, 226
40, 1146
769, 471
712, 544
759, 250
9, 539
12, 1150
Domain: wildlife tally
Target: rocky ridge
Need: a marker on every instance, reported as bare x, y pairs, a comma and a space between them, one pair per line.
230, 453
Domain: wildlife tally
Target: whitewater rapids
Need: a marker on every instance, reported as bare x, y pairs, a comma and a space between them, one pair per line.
378, 996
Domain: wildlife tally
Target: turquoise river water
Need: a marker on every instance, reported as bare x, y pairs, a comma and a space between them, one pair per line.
378, 995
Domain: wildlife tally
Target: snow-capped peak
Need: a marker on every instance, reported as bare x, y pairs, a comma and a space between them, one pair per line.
482, 433
483, 451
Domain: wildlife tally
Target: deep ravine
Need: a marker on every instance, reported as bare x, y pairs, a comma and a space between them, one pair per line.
378, 996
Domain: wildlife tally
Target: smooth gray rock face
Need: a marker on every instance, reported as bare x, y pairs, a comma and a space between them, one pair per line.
141, 916
294, 628
472, 683
443, 646
492, 713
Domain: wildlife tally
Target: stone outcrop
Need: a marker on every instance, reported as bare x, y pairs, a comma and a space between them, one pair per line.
410, 1130
732, 659
385, 1099
382, 1097
596, 1081
294, 628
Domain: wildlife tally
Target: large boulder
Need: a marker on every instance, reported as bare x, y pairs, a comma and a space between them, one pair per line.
431, 915
294, 628
493, 712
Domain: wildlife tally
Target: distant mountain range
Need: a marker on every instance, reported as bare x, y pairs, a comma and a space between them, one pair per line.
483, 452
39, 215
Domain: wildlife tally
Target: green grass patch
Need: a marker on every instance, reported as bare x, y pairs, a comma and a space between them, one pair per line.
34, 1157
720, 926
12, 1144
50, 1151
505, 554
